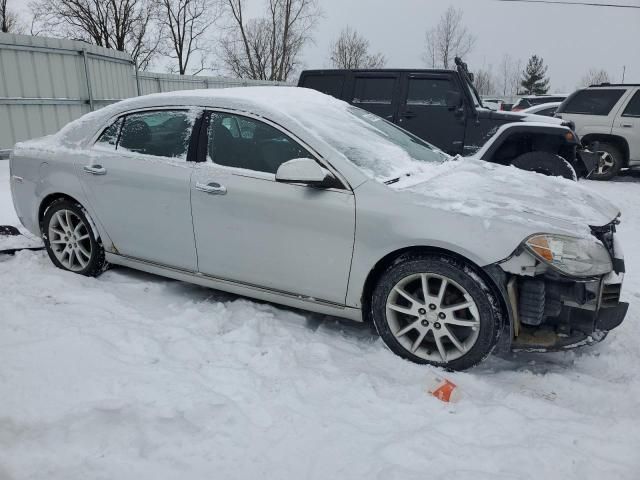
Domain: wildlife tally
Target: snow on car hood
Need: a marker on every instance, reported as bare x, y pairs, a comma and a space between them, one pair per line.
477, 188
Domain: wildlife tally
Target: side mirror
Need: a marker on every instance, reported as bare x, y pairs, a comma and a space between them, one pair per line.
454, 99
304, 170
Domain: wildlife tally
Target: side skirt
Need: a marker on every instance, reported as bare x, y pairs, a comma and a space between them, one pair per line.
253, 291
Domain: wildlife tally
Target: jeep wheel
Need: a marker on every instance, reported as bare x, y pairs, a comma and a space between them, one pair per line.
545, 163
609, 163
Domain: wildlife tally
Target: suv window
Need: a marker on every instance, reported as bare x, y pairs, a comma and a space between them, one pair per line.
374, 90
428, 91
109, 136
633, 107
163, 133
597, 101
329, 84
259, 147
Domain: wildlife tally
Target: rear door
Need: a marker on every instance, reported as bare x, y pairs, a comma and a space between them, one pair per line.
424, 111
627, 125
376, 92
138, 182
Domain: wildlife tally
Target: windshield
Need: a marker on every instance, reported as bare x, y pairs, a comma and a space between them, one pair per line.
381, 149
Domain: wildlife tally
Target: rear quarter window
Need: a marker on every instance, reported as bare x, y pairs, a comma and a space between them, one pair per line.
330, 84
633, 107
598, 101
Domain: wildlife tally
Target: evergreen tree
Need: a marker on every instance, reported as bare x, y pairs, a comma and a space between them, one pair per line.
534, 81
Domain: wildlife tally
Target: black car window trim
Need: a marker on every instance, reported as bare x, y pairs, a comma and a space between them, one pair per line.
203, 141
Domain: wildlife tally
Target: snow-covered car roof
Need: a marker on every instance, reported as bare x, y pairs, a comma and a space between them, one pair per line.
542, 106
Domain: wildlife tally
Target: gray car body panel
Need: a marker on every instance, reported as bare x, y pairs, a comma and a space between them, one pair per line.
321, 267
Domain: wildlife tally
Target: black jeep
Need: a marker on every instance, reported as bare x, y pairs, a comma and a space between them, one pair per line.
444, 108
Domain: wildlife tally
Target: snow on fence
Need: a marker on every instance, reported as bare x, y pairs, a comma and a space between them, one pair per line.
47, 82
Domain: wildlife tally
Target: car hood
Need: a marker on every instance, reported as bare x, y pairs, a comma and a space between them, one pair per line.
507, 194
509, 117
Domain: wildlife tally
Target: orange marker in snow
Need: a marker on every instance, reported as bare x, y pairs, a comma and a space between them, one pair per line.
445, 390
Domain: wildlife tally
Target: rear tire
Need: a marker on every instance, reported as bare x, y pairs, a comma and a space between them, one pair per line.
434, 309
546, 163
70, 239
610, 162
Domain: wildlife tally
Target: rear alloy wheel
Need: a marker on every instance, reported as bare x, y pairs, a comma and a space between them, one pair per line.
436, 310
546, 163
609, 163
70, 240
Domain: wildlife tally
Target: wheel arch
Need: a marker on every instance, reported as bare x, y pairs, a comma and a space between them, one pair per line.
48, 200
391, 257
616, 140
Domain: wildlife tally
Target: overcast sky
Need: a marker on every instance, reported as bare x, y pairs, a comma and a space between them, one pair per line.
571, 39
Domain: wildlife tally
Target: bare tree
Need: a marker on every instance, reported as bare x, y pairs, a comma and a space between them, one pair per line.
484, 81
9, 21
509, 75
186, 21
124, 25
268, 48
595, 77
447, 40
351, 50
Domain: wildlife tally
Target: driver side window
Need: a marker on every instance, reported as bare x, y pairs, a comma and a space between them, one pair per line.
242, 142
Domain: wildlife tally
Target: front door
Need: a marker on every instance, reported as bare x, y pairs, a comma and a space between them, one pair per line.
425, 113
251, 229
138, 184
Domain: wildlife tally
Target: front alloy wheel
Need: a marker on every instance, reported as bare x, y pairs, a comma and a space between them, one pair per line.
436, 310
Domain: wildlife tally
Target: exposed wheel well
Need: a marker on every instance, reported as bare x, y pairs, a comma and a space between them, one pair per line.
519, 143
619, 142
48, 200
387, 260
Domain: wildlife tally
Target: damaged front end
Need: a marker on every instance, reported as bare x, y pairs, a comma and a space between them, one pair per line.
562, 292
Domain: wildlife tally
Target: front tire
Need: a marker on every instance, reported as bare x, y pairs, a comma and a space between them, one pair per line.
436, 310
70, 240
545, 163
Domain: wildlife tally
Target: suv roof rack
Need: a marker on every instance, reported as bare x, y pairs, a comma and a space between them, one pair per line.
607, 84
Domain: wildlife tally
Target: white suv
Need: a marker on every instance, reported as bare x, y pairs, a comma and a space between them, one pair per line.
607, 119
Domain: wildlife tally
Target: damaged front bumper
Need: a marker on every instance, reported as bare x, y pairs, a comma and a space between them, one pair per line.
549, 311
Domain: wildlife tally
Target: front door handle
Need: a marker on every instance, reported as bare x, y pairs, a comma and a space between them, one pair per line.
95, 169
626, 125
212, 188
409, 114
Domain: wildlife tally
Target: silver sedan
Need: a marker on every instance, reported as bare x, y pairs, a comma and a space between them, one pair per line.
290, 196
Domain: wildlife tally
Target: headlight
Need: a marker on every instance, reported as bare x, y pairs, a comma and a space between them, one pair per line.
578, 257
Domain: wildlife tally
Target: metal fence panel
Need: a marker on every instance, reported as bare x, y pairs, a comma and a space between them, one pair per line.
47, 82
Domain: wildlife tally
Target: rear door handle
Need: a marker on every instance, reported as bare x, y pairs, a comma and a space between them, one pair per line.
95, 169
212, 188
409, 114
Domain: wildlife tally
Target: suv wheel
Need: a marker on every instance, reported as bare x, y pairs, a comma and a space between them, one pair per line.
435, 310
610, 162
545, 163
70, 241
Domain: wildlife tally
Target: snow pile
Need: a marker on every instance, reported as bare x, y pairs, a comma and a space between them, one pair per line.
131, 376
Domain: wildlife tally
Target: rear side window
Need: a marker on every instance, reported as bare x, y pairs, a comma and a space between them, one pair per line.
633, 107
428, 91
329, 84
109, 136
374, 90
163, 133
598, 101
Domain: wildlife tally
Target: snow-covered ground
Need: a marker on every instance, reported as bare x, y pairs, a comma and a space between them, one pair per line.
132, 376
